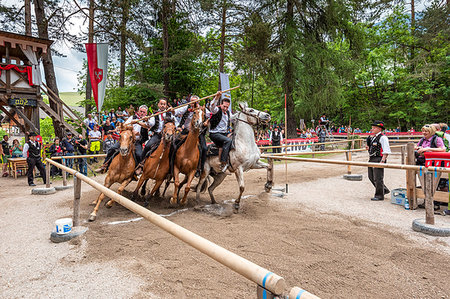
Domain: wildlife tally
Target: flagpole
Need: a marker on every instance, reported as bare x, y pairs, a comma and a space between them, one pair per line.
285, 143
182, 105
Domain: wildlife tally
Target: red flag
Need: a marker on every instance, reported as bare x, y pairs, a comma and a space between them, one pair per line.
97, 55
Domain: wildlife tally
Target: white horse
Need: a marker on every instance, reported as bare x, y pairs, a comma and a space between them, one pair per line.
243, 157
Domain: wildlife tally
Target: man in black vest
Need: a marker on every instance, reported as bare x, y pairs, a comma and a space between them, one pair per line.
276, 137
379, 150
156, 125
220, 128
32, 151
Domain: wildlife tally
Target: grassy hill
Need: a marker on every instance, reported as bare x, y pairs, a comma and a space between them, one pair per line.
71, 98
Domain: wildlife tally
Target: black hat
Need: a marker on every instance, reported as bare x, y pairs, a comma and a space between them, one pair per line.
32, 134
378, 123
69, 133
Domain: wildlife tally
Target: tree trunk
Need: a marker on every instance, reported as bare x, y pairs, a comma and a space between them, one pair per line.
413, 22
90, 40
165, 29
123, 41
28, 17
289, 71
49, 70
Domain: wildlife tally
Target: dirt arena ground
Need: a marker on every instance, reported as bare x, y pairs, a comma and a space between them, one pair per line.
325, 236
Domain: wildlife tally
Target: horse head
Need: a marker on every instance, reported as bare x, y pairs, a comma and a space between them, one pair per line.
126, 140
198, 118
169, 130
254, 117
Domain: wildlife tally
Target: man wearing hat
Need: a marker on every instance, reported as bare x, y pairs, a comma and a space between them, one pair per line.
32, 151
378, 147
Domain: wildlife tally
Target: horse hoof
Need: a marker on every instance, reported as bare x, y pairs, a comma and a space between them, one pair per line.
173, 201
92, 217
146, 202
93, 203
109, 204
236, 208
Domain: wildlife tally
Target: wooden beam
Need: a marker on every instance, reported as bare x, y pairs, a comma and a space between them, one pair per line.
13, 119
25, 119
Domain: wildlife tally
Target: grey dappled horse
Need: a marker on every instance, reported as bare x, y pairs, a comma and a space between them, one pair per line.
243, 157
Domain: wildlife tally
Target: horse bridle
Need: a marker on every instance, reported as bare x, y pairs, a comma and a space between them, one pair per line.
257, 117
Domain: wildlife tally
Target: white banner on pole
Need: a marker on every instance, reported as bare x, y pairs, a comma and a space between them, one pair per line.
224, 85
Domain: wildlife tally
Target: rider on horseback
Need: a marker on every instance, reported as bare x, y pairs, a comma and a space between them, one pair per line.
220, 128
141, 136
186, 114
156, 125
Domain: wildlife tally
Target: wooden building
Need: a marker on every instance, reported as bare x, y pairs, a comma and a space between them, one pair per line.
21, 85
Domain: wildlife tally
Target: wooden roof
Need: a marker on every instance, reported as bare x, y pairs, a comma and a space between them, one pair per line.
24, 40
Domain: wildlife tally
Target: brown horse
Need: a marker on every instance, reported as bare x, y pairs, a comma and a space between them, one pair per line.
187, 156
157, 166
121, 169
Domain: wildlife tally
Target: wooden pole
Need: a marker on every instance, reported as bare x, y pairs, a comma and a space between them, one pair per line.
76, 200
349, 157
297, 292
272, 282
403, 150
357, 163
179, 106
411, 177
428, 190
269, 174
64, 174
285, 144
291, 145
47, 175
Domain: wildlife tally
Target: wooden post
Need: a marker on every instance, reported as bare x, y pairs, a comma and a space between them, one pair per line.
428, 190
313, 147
403, 149
47, 175
411, 177
76, 200
269, 175
349, 157
64, 173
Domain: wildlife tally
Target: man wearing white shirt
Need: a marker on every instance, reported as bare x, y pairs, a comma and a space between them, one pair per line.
220, 128
379, 150
141, 135
156, 125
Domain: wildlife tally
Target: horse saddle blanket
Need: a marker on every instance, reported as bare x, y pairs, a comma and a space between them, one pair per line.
213, 150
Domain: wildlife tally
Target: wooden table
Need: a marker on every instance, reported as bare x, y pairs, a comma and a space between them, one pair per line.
17, 164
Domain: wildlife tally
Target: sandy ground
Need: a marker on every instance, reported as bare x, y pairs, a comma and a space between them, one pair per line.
325, 236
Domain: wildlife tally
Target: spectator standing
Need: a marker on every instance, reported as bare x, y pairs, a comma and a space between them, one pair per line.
17, 150
81, 146
119, 113
125, 114
6, 154
276, 138
112, 114
379, 150
94, 138
108, 126
55, 151
32, 151
89, 122
68, 146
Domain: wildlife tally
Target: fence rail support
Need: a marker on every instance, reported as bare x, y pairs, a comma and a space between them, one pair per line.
76, 200
411, 177
47, 175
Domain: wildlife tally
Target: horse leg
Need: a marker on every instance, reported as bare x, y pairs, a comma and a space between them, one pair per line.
201, 181
168, 178
99, 200
142, 180
174, 199
154, 189
189, 179
182, 184
122, 187
144, 187
240, 178
218, 179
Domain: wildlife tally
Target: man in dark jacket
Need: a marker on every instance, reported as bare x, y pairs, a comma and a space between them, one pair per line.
32, 151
